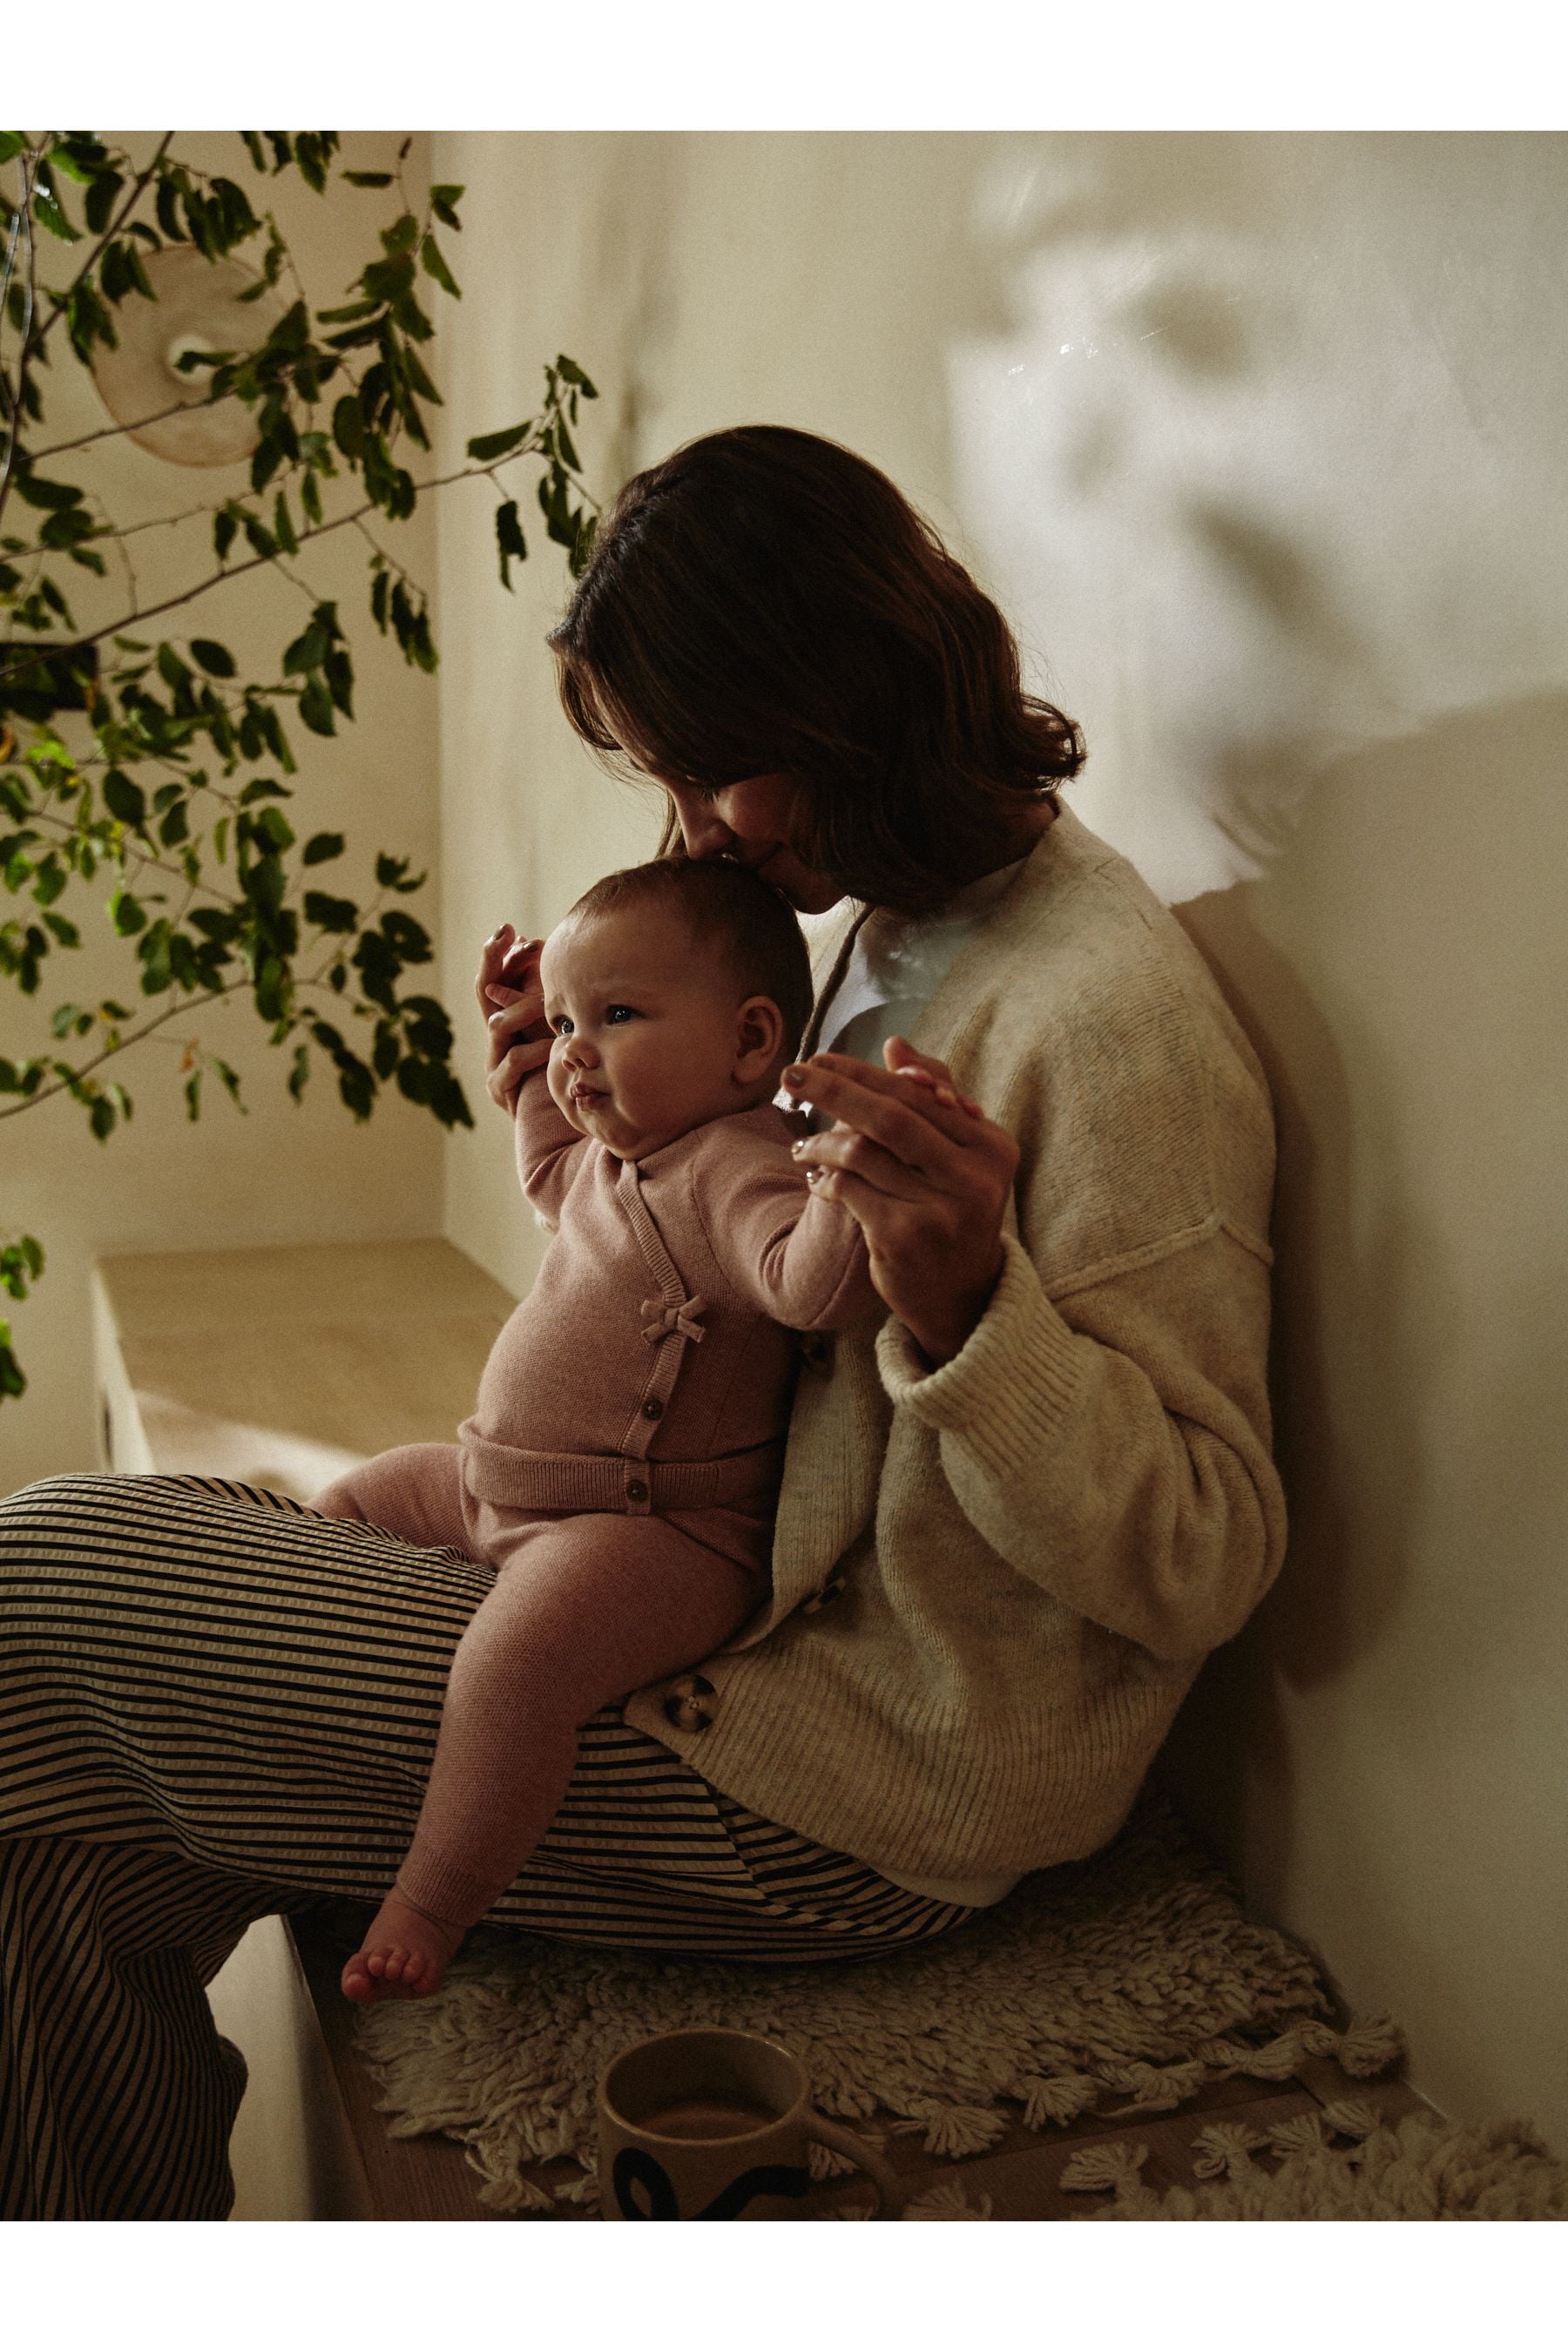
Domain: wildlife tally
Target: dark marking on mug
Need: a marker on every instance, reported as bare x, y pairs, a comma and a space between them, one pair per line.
634, 2168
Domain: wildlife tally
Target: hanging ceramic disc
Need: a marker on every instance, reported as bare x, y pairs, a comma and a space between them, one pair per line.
197, 307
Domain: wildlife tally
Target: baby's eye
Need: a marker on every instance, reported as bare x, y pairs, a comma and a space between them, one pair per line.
563, 1025
620, 1013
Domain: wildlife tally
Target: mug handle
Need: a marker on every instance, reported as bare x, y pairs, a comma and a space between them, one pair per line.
889, 2190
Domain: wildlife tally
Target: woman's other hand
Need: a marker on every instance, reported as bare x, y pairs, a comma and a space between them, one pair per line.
925, 1174
509, 997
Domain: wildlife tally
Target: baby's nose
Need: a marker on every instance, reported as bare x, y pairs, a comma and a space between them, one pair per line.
580, 1053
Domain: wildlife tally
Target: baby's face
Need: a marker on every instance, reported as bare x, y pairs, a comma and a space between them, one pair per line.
650, 1033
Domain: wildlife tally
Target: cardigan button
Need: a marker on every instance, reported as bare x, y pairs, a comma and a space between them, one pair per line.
688, 1703
636, 1490
819, 1600
652, 1408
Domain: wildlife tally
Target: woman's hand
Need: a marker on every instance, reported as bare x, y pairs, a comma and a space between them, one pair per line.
513, 1002
926, 1175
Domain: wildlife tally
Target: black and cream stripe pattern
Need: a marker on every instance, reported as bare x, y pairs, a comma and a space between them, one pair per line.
215, 1705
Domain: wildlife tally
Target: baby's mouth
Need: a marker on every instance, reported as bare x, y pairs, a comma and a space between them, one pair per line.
581, 1094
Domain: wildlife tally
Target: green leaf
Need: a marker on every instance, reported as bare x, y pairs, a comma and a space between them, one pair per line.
101, 1117
435, 267
124, 799
348, 428
299, 1073
256, 151
491, 445
46, 205
34, 492
571, 372
126, 914
193, 1095
367, 179
283, 527
308, 650
442, 203
215, 659
167, 208
100, 201
11, 143
316, 707
321, 846
225, 525
329, 914
274, 827
509, 540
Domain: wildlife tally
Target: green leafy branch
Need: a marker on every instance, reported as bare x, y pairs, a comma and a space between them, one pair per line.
21, 1262
143, 770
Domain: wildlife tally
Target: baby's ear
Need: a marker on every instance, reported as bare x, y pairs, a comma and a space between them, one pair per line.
759, 1040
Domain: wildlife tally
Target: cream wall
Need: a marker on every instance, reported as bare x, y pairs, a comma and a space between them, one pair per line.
283, 1173
1259, 440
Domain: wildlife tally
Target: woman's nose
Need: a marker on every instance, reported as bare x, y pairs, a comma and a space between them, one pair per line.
704, 832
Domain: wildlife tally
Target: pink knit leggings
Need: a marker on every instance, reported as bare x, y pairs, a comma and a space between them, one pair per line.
586, 1607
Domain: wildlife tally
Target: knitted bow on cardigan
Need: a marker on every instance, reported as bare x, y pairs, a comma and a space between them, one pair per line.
666, 1320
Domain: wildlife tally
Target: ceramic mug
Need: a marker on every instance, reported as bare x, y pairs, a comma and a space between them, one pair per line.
708, 2125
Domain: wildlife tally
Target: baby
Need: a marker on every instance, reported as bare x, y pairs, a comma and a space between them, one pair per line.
621, 1463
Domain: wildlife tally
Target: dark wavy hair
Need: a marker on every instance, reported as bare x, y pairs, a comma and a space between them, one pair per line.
764, 603
755, 927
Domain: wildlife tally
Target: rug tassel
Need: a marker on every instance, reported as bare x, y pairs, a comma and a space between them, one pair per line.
1099, 2168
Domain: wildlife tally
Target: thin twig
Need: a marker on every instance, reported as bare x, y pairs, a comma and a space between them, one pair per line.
139, 424
143, 859
237, 571
63, 1086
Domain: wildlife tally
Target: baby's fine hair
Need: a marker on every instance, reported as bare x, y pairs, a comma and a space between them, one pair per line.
755, 926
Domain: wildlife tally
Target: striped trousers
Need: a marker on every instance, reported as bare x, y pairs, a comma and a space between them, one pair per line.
216, 1705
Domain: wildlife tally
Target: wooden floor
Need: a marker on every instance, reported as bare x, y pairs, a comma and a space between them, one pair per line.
429, 2179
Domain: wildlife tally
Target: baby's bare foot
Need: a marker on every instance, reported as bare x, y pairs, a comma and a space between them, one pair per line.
404, 1956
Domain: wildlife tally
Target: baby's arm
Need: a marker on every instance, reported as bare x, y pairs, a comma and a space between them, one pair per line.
550, 1151
801, 1260
546, 1143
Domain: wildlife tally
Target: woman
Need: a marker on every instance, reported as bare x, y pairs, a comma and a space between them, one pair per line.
1016, 1514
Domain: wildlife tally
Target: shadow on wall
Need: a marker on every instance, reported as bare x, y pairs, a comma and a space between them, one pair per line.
1400, 998
1256, 468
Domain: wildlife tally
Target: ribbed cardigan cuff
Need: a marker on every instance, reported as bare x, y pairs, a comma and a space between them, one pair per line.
1010, 1387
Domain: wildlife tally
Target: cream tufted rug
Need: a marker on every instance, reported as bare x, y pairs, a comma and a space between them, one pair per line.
1422, 2169
1115, 1987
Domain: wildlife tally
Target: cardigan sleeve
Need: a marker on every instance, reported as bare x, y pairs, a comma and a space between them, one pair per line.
1115, 1449
549, 1151
1105, 1428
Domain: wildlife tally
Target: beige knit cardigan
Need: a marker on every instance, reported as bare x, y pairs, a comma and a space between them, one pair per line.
993, 1582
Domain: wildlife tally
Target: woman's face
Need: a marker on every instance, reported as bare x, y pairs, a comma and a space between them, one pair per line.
753, 822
